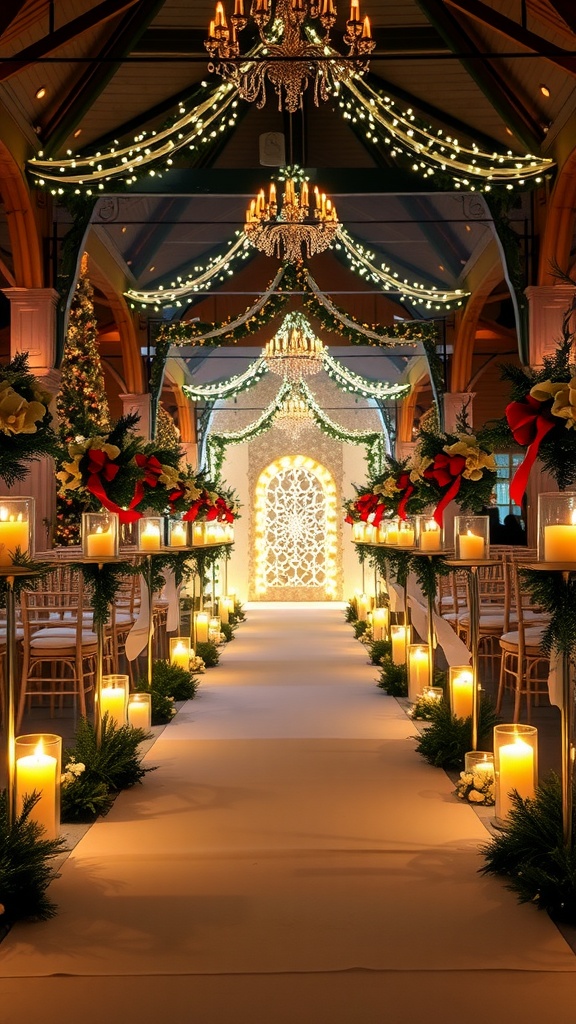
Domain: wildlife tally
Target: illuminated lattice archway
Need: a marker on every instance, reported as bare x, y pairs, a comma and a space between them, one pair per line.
295, 529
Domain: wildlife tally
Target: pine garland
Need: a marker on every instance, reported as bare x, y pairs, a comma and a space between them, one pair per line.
25, 420
557, 595
448, 739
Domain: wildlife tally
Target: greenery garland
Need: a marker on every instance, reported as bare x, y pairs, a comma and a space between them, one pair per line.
448, 739
557, 596
25, 420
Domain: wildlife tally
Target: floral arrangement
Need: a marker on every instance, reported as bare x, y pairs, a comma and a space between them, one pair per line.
391, 493
25, 421
476, 788
201, 500
542, 414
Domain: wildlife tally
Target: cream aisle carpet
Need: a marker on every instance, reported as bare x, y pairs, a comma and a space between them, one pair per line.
293, 848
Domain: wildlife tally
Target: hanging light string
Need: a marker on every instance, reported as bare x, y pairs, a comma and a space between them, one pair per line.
347, 380
361, 260
202, 124
231, 386
218, 268
403, 134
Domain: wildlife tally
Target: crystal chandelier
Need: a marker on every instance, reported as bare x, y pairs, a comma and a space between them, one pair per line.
290, 63
293, 354
293, 416
291, 233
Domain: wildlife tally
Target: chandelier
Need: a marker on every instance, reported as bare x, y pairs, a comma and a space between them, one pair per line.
292, 233
293, 416
294, 354
288, 64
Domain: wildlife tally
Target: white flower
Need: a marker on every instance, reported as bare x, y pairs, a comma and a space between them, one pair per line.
475, 797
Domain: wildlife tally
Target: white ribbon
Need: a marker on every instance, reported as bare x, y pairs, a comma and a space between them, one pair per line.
137, 638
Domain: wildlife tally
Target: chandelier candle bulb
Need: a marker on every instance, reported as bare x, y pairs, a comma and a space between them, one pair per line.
113, 698
140, 711
366, 33
38, 760
461, 690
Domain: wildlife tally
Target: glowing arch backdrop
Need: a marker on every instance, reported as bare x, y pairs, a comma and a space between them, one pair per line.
295, 531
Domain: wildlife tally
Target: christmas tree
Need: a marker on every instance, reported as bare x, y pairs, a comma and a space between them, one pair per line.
82, 402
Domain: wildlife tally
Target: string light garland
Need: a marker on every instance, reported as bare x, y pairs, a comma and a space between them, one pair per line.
294, 58
152, 151
433, 151
347, 380
179, 292
228, 388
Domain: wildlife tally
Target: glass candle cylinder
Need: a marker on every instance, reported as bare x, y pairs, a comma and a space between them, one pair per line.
380, 623
370, 533
461, 683
100, 534
471, 538
198, 534
16, 528
181, 653
201, 627
362, 606
400, 637
557, 526
433, 692
140, 710
214, 629
480, 761
406, 533
114, 697
178, 533
418, 670
228, 529
358, 532
212, 533
38, 761
150, 533
429, 536
225, 608
392, 532
515, 763
381, 532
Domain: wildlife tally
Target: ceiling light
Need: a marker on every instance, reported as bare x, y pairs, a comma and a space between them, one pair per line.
77, 133
150, 269
291, 233
545, 90
41, 92
295, 58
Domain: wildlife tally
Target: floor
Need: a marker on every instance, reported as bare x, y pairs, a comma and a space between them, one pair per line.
291, 860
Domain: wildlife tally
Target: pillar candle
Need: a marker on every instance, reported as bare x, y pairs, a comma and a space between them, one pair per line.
379, 623
430, 537
358, 531
178, 538
14, 533
516, 772
559, 542
150, 537
101, 542
362, 607
406, 537
180, 655
198, 533
37, 772
471, 547
139, 711
392, 535
201, 620
418, 671
462, 694
113, 702
398, 637
369, 532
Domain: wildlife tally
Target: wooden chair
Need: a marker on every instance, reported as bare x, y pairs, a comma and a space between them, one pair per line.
524, 667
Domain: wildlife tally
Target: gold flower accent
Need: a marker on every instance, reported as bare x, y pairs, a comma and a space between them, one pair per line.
17, 416
564, 395
477, 460
419, 464
170, 477
192, 493
70, 476
388, 488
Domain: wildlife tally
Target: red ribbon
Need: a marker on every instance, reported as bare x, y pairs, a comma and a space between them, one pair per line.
101, 468
152, 471
370, 505
446, 471
406, 485
529, 424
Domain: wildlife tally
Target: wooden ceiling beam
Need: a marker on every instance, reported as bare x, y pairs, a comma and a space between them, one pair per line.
54, 40
495, 88
94, 79
10, 8
512, 30
567, 11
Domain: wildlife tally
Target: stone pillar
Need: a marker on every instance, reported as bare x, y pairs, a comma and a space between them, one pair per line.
139, 404
547, 306
33, 325
454, 403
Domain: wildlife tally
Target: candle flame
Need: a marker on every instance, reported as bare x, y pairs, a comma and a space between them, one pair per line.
39, 749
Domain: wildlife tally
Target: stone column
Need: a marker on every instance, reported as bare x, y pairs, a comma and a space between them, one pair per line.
139, 404
454, 404
547, 306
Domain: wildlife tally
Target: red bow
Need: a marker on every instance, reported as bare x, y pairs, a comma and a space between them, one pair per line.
406, 485
224, 513
152, 471
193, 511
529, 422
446, 471
101, 468
370, 505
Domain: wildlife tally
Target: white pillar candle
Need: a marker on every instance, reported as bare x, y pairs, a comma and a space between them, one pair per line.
139, 711
101, 543
381, 537
198, 534
178, 536
14, 533
418, 670
516, 762
225, 608
430, 536
406, 537
560, 541
392, 534
471, 547
358, 532
180, 655
398, 636
461, 686
150, 537
201, 621
379, 623
369, 533
37, 773
113, 702
362, 603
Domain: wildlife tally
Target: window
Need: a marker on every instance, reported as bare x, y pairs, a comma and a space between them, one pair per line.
506, 465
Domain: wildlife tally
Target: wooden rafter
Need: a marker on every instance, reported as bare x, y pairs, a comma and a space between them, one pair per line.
54, 40
10, 8
567, 11
496, 89
512, 30
96, 76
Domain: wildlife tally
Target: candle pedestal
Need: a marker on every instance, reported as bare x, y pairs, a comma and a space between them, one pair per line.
515, 763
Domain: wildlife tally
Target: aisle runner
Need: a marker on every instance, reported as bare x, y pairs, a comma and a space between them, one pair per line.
290, 827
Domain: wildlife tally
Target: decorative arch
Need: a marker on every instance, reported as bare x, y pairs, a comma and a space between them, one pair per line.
560, 221
129, 345
490, 277
295, 531
22, 225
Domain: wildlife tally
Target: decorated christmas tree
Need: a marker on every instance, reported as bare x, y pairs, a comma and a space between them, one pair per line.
82, 403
